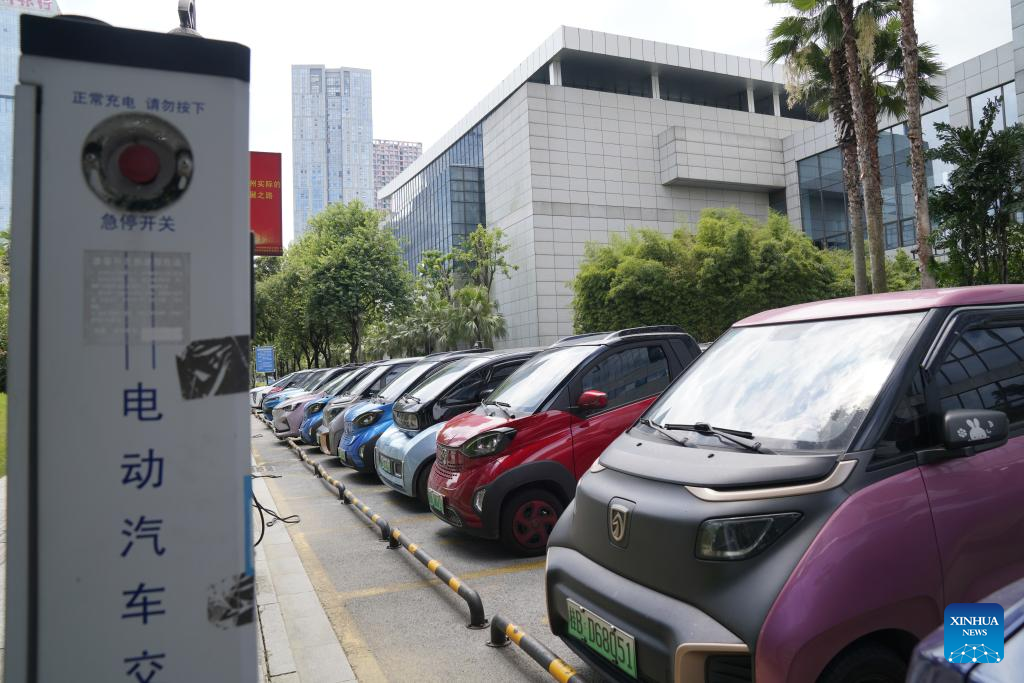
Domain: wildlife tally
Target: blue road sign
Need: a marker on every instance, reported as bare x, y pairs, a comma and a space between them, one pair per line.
265, 359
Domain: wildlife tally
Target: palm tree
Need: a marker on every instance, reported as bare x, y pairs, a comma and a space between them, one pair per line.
477, 317
865, 125
908, 42
813, 44
818, 80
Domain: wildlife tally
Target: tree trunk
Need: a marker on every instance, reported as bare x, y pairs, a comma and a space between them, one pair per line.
354, 340
866, 128
908, 41
842, 117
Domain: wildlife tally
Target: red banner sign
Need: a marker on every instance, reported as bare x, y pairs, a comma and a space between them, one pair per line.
265, 202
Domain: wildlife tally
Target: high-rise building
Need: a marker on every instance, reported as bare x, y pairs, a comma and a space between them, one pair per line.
332, 139
391, 157
10, 51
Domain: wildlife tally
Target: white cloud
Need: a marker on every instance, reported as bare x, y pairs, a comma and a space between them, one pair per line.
433, 61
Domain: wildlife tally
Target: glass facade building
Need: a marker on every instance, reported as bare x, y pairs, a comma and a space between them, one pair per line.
1007, 111
823, 198
442, 203
332, 139
10, 52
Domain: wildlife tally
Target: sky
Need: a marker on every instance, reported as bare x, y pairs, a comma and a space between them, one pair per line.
432, 61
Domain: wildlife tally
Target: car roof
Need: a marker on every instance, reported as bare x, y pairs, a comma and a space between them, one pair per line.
891, 302
629, 334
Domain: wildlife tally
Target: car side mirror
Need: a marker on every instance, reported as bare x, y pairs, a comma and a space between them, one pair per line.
968, 431
591, 399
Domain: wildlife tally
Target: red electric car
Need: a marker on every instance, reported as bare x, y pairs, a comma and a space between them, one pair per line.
508, 468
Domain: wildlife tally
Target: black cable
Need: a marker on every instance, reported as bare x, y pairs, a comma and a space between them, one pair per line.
288, 519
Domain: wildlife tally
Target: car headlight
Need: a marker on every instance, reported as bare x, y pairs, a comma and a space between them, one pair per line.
313, 409
489, 443
740, 538
407, 420
367, 419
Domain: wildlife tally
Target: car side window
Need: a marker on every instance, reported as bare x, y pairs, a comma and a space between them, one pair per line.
629, 375
985, 369
908, 430
466, 390
498, 375
386, 379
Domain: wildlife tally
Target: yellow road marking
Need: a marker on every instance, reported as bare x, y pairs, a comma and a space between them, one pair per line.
360, 656
376, 591
561, 671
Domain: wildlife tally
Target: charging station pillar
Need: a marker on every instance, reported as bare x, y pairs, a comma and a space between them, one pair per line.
129, 553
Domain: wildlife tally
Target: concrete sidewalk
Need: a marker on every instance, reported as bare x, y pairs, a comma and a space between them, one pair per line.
297, 643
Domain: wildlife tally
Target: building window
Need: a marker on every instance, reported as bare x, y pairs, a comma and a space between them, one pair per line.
823, 196
1007, 115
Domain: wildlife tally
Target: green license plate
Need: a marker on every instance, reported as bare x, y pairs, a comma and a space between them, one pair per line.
436, 501
387, 465
612, 643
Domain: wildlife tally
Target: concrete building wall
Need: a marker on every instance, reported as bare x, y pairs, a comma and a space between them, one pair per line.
595, 168
507, 179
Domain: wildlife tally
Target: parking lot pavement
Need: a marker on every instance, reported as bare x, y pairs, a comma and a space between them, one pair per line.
394, 619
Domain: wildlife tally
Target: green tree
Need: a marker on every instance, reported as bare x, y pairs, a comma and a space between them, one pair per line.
977, 213
481, 257
476, 316
731, 268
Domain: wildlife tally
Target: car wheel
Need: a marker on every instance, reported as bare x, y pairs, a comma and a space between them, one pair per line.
422, 479
527, 519
868, 663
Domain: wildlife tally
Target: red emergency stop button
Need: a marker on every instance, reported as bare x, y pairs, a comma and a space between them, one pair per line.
139, 164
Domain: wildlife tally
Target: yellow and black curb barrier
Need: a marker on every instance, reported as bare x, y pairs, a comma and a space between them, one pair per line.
395, 539
504, 631
477, 620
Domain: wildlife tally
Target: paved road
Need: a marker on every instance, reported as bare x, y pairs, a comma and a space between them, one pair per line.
396, 621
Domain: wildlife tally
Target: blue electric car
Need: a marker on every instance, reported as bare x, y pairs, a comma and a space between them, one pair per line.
312, 411
366, 421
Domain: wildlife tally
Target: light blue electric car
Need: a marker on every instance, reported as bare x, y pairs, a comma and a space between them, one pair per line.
405, 452
365, 422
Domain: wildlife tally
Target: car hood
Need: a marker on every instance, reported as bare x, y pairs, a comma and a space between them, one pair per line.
298, 400
463, 427
655, 458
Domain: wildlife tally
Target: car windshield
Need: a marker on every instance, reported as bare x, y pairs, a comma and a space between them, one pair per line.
393, 391
312, 380
283, 382
338, 382
527, 388
433, 386
326, 380
363, 385
797, 387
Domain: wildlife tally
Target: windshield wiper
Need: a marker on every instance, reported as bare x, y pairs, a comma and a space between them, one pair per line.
412, 398
504, 407
740, 438
663, 430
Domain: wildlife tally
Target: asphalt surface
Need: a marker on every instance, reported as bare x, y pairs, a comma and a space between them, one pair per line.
394, 619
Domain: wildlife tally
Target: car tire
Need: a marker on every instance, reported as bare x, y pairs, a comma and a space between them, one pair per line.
422, 479
527, 518
868, 663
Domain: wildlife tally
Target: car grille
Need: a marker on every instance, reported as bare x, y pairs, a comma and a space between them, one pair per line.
728, 669
448, 469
